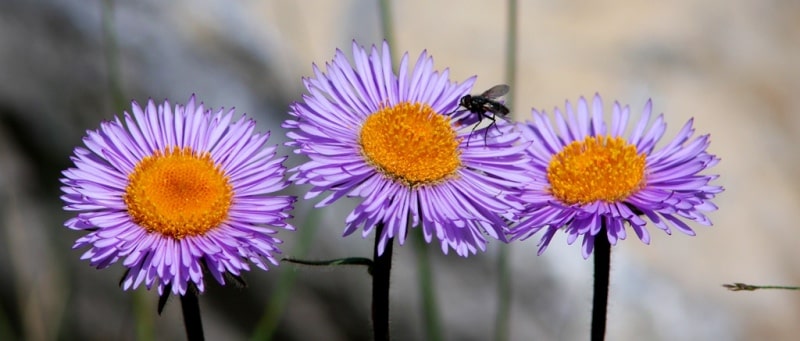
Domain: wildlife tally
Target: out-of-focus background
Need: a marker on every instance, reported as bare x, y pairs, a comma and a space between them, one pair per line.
732, 65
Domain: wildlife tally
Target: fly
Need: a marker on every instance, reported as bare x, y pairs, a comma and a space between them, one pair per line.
486, 105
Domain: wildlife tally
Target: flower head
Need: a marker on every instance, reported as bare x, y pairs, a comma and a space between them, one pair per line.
589, 177
391, 139
175, 193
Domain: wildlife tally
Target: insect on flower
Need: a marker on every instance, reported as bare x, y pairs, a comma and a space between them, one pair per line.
407, 161
486, 105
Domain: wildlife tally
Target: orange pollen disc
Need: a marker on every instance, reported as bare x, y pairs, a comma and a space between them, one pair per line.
411, 143
597, 168
178, 193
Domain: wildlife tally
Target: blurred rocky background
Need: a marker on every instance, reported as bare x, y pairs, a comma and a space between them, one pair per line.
732, 65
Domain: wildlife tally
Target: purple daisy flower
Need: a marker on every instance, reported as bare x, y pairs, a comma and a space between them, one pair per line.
390, 139
588, 177
174, 192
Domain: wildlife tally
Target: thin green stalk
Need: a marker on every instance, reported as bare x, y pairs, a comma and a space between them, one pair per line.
387, 24
334, 262
276, 305
143, 315
501, 326
503, 296
111, 51
511, 51
430, 310
749, 287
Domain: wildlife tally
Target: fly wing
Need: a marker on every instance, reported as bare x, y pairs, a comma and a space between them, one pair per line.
496, 91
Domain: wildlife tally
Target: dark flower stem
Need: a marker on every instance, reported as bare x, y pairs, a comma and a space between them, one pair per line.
381, 272
191, 315
602, 261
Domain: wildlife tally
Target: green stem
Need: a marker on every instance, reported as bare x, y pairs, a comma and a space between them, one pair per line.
143, 312
386, 22
333, 262
749, 287
111, 51
430, 310
503, 296
511, 50
501, 324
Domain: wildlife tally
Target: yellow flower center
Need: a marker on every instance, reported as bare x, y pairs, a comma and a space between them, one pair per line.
411, 143
178, 193
597, 168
